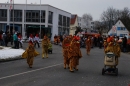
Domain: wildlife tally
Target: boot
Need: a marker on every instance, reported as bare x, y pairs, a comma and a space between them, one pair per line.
88, 52
71, 69
46, 55
76, 68
64, 66
43, 56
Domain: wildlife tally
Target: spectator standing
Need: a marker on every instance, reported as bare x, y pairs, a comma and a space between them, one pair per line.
15, 39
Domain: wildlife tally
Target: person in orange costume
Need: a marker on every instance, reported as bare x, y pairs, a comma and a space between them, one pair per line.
114, 47
105, 44
65, 46
74, 54
88, 45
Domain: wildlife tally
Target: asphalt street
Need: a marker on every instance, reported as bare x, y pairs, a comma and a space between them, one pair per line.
50, 71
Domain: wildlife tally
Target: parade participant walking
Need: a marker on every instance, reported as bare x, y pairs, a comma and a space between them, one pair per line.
114, 47
20, 40
74, 54
105, 44
65, 46
29, 54
88, 45
31, 38
37, 40
45, 45
15, 38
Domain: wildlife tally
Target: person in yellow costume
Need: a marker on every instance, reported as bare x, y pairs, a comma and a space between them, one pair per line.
29, 54
114, 47
74, 54
45, 45
65, 46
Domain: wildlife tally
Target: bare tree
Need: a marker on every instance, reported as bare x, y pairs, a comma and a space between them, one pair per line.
87, 18
100, 27
110, 17
125, 17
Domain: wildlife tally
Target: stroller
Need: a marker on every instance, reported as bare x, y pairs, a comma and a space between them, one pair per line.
110, 61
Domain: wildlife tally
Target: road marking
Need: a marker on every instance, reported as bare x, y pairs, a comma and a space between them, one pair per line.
29, 71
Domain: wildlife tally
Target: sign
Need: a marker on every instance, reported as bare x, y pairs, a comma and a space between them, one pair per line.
114, 29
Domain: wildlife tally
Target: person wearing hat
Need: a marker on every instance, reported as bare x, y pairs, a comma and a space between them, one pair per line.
74, 54
65, 46
45, 45
37, 40
114, 47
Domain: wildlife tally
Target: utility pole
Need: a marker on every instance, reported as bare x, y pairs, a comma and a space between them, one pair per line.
13, 16
25, 16
40, 18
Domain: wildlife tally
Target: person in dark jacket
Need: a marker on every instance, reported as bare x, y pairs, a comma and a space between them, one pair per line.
100, 41
124, 44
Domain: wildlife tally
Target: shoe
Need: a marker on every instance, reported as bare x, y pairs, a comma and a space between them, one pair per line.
71, 71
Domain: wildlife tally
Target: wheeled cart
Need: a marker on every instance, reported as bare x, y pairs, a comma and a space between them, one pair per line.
110, 64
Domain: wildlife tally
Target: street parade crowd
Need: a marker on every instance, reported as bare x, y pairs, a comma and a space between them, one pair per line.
71, 46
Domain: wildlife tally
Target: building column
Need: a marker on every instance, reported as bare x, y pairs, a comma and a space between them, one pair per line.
8, 16
23, 25
46, 18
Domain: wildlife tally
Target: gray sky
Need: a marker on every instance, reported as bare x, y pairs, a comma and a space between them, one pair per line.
93, 7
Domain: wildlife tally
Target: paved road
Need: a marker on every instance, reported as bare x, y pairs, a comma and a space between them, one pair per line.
50, 71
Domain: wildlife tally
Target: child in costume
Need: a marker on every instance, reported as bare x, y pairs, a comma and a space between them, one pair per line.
29, 54
50, 47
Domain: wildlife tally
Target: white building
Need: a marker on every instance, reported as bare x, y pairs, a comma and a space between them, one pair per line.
26, 19
81, 23
119, 30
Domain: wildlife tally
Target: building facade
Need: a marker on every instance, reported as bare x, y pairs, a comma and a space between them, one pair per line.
73, 24
34, 18
119, 30
81, 23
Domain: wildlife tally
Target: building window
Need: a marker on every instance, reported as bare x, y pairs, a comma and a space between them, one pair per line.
43, 15
50, 17
64, 20
68, 22
34, 16
92, 22
16, 15
60, 20
3, 15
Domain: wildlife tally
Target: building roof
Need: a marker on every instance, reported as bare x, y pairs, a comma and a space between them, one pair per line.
35, 5
73, 18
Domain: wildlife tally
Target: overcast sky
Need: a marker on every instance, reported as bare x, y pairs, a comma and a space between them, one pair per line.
93, 7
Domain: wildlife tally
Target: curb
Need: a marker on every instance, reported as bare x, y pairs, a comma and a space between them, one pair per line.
11, 59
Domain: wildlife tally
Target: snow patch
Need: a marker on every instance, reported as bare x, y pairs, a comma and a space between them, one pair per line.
7, 53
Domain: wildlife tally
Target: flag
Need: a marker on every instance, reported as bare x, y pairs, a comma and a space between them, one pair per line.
11, 5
